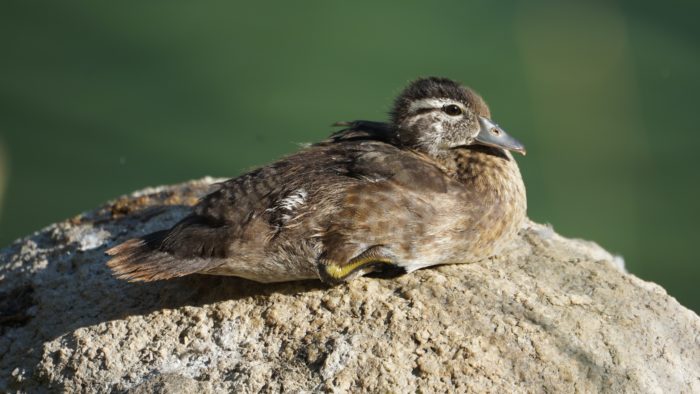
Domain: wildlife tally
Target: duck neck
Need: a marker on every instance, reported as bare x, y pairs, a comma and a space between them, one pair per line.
490, 173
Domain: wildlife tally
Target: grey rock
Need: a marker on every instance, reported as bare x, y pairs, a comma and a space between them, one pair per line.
552, 314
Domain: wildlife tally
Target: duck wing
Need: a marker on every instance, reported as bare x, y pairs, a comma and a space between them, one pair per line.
362, 130
244, 209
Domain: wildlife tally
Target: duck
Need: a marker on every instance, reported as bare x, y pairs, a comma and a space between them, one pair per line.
436, 184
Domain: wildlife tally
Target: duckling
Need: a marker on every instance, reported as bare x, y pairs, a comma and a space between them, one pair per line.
436, 185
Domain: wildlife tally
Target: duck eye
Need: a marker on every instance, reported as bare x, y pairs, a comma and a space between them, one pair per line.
452, 110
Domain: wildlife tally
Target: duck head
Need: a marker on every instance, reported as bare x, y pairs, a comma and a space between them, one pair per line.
435, 115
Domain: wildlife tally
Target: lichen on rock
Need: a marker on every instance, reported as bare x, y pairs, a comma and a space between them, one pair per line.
551, 314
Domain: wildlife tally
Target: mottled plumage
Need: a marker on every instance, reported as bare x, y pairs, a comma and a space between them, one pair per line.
434, 186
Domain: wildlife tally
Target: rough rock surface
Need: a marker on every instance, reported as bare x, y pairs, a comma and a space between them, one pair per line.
553, 314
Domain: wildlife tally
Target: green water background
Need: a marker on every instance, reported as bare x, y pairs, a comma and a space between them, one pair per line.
98, 99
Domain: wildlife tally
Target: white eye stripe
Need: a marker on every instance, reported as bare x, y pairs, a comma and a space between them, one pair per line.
431, 103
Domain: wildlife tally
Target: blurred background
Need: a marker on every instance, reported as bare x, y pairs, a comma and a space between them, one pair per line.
101, 99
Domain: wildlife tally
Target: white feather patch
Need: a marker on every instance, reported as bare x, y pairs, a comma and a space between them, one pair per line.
294, 200
289, 204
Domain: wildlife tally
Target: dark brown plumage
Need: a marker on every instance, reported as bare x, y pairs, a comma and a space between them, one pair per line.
437, 185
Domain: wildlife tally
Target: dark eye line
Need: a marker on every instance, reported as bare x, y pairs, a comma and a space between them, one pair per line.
426, 110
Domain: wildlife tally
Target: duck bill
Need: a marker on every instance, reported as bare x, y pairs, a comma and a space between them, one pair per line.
490, 134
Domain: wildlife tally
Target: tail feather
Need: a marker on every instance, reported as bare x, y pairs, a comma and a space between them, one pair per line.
141, 260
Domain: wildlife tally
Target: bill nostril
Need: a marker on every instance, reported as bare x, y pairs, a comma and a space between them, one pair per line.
495, 131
